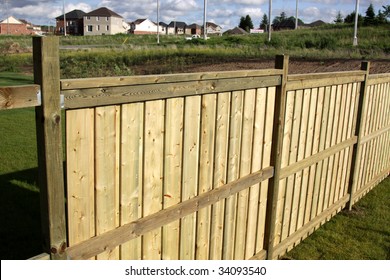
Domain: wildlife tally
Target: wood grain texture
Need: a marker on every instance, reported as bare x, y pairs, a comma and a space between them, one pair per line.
19, 97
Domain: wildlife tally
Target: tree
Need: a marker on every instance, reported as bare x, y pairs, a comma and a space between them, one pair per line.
370, 18
386, 10
351, 18
246, 23
279, 19
264, 22
339, 18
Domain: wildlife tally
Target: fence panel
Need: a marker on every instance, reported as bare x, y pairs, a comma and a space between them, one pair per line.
162, 153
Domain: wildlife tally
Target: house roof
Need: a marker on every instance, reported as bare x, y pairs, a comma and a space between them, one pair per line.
178, 24
316, 23
139, 21
212, 25
194, 25
236, 31
103, 12
163, 24
11, 20
72, 15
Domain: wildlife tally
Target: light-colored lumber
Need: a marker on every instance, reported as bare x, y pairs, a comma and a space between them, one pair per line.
80, 147
236, 116
191, 146
374, 79
19, 97
132, 135
324, 75
173, 161
245, 169
132, 230
262, 255
67, 84
153, 175
100, 96
220, 173
269, 128
40, 257
256, 164
207, 147
49, 143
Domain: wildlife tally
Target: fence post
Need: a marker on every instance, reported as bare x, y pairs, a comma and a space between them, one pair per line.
360, 119
281, 62
49, 143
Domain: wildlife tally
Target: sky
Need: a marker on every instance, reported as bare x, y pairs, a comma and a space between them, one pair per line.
226, 13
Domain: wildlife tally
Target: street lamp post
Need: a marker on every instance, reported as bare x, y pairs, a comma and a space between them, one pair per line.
205, 20
158, 22
64, 17
355, 39
269, 20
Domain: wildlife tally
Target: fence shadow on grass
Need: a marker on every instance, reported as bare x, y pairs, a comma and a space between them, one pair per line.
20, 220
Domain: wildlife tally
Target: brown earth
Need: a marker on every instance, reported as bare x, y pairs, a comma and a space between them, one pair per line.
296, 66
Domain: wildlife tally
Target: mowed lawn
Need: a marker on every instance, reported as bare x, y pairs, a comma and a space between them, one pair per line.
363, 233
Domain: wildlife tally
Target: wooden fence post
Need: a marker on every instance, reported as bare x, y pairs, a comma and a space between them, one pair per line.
360, 119
49, 143
281, 62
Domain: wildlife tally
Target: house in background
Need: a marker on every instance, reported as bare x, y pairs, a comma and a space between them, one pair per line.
13, 26
176, 28
194, 29
213, 29
146, 26
236, 31
74, 23
103, 21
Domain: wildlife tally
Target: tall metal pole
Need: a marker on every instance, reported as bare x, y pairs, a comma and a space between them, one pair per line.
64, 18
158, 22
7, 15
269, 20
205, 20
355, 39
296, 16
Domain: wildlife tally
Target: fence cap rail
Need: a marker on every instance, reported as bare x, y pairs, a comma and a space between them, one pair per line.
69, 84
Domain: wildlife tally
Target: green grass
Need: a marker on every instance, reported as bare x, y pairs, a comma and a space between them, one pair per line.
360, 234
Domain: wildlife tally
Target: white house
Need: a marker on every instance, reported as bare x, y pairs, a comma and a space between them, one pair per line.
103, 21
146, 26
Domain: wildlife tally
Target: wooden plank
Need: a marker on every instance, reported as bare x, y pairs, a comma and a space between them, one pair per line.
19, 97
68, 84
281, 62
236, 117
306, 229
374, 181
322, 82
132, 230
257, 159
107, 136
262, 255
49, 143
191, 146
206, 174
220, 173
153, 175
374, 79
261, 222
173, 173
132, 139
360, 120
91, 97
325, 75
80, 148
41, 257
245, 169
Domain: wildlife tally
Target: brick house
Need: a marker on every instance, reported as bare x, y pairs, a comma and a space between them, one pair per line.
13, 26
74, 23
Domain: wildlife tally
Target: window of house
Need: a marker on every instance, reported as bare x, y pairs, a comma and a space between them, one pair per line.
107, 27
97, 18
88, 17
97, 27
107, 18
90, 28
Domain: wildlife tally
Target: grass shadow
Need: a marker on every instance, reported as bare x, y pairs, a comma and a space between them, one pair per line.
20, 232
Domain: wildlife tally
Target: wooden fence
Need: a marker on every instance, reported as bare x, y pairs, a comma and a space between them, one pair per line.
227, 165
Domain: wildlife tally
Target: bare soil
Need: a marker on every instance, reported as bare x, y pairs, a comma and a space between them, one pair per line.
296, 66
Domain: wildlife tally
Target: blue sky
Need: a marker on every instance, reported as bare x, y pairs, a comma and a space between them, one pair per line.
225, 13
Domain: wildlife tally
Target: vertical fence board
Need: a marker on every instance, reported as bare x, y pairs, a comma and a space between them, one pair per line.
107, 137
153, 174
207, 148
220, 173
233, 174
80, 174
173, 173
191, 148
132, 139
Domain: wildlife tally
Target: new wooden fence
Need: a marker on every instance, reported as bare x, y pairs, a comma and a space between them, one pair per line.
227, 165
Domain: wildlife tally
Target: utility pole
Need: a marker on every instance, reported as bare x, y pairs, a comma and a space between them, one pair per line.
205, 20
355, 39
64, 18
158, 22
269, 20
296, 16
7, 15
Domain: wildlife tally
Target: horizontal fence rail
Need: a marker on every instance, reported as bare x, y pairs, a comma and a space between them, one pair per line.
217, 165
